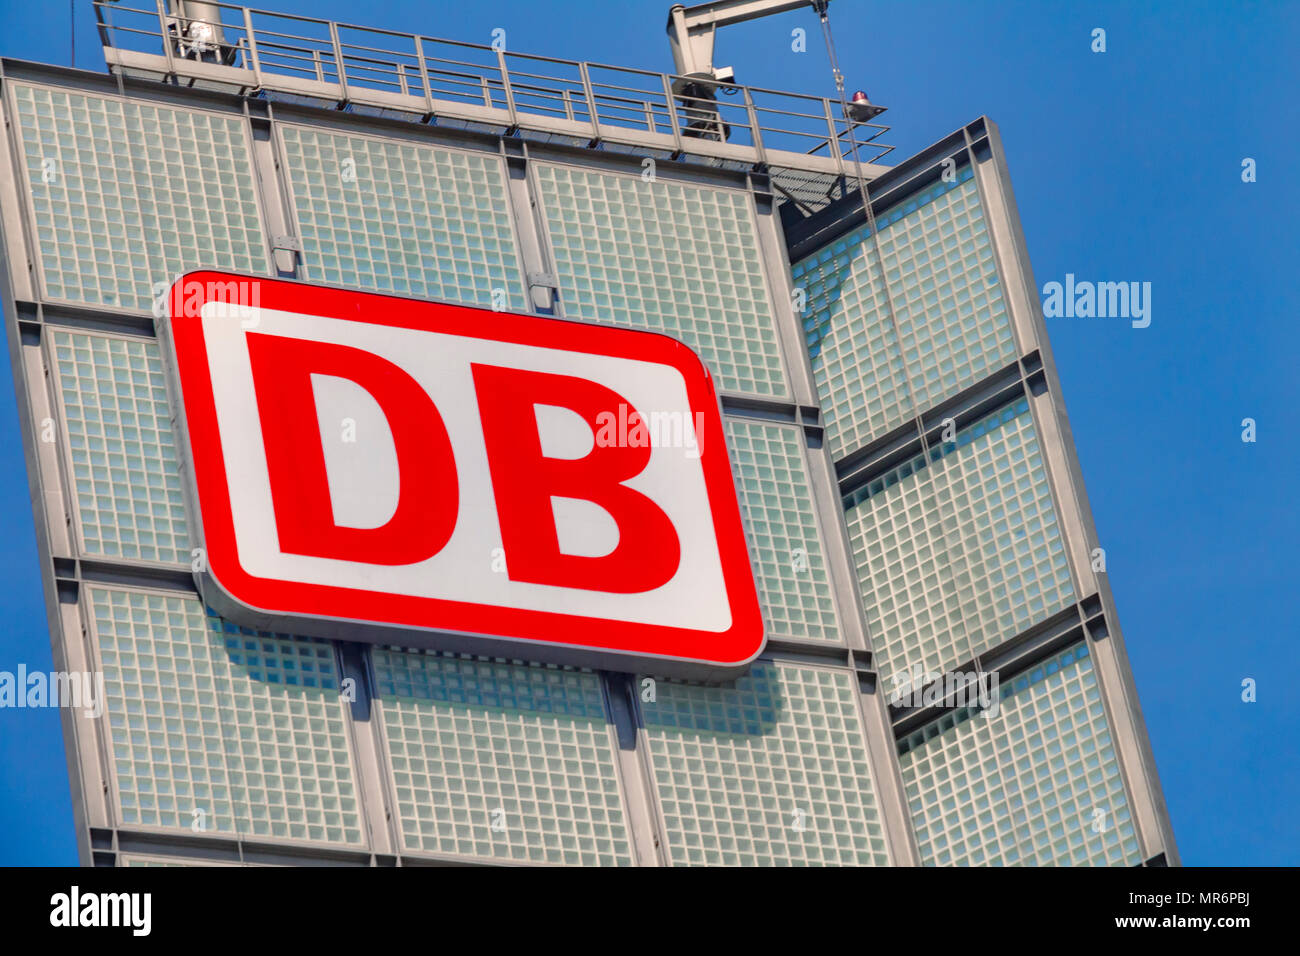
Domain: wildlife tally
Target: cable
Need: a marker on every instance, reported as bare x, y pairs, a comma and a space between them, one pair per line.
884, 278
822, 10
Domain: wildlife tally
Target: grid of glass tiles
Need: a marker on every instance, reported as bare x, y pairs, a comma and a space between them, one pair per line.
155, 861
958, 549
116, 213
152, 861
771, 474
950, 326
248, 726
771, 771
211, 724
121, 445
501, 760
1036, 783
405, 218
668, 257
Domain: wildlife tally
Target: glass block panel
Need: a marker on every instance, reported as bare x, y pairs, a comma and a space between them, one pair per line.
950, 326
502, 760
211, 723
789, 563
405, 218
123, 452
958, 549
124, 860
772, 770
133, 859
1036, 783
128, 195
668, 257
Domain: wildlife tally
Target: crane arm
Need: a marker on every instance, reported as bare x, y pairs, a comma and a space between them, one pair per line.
691, 30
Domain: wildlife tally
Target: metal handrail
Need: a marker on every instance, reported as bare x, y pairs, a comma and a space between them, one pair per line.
386, 63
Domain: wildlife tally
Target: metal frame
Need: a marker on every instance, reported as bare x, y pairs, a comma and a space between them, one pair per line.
513, 92
286, 191
1032, 376
1097, 605
28, 193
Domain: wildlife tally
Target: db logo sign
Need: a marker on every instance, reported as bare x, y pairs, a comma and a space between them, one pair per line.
375, 468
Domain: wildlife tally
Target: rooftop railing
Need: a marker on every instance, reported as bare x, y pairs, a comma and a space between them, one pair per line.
466, 84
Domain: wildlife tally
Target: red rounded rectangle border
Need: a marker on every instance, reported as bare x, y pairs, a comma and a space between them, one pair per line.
360, 614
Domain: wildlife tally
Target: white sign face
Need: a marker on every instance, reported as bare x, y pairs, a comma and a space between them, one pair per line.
366, 465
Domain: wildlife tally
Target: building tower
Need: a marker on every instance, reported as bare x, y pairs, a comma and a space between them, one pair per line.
895, 424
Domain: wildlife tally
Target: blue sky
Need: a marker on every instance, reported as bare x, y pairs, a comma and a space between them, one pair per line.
1126, 166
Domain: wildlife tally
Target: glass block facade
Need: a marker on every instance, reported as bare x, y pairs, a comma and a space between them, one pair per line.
1036, 783
404, 218
876, 367
215, 728
769, 771
499, 760
771, 475
214, 732
959, 548
668, 257
121, 447
127, 195
154, 861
